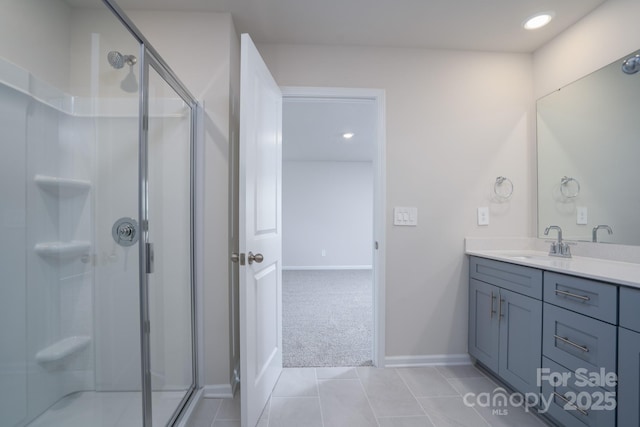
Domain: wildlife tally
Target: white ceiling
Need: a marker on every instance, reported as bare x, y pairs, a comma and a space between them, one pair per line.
312, 129
490, 25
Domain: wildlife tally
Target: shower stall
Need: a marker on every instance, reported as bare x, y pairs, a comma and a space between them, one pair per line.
97, 322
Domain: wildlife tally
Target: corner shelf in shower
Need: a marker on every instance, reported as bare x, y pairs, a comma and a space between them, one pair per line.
63, 348
62, 186
71, 249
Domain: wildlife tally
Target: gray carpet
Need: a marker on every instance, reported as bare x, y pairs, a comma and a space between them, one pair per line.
327, 318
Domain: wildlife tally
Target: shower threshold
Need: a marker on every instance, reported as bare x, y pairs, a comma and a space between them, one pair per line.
107, 409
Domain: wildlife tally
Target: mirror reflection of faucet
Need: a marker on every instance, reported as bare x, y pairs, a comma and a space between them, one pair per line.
558, 248
594, 234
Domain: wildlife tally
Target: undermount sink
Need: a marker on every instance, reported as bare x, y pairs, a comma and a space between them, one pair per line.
536, 257
527, 256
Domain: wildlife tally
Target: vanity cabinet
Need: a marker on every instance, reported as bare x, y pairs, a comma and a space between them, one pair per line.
505, 331
522, 319
629, 358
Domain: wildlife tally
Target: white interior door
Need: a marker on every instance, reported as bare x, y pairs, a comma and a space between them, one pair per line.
260, 234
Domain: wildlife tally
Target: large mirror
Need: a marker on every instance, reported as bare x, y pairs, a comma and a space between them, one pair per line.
589, 156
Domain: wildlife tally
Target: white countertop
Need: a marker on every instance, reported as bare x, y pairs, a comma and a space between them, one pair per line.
622, 273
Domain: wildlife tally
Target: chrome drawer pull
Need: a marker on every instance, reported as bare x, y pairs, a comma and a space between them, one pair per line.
582, 411
568, 341
491, 310
569, 294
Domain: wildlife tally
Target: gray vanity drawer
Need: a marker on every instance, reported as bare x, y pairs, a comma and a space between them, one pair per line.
585, 296
629, 307
599, 413
578, 341
516, 278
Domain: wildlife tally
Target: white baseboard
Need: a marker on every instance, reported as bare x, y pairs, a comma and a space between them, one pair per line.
327, 267
218, 391
427, 360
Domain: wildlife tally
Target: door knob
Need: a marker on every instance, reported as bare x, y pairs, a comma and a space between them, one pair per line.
258, 258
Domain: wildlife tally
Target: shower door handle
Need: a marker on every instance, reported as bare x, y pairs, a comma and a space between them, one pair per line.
150, 257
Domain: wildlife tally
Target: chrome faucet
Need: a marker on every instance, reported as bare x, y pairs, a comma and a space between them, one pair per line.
594, 234
558, 248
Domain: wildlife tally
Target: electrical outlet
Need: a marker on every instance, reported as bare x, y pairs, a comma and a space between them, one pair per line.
483, 216
581, 214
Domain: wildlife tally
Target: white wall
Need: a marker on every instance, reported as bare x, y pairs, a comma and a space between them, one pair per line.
605, 35
327, 206
455, 121
34, 34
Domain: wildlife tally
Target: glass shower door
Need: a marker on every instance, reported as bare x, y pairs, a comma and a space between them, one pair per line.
170, 296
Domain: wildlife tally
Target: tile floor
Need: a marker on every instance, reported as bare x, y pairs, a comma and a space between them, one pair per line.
354, 397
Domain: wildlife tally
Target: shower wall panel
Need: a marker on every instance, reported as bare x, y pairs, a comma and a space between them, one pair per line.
13, 257
117, 299
59, 278
46, 305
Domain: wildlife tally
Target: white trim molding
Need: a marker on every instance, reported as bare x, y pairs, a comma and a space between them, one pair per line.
218, 391
326, 267
427, 360
379, 197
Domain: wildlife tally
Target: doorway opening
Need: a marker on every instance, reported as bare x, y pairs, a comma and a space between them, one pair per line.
332, 217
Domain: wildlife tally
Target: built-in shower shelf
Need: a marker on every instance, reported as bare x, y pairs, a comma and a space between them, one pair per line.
70, 249
63, 348
62, 186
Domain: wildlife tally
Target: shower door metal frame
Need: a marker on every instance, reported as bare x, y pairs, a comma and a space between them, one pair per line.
149, 57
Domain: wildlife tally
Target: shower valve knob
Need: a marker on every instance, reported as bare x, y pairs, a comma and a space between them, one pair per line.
125, 231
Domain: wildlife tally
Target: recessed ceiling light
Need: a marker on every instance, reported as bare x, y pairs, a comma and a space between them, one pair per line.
348, 135
538, 20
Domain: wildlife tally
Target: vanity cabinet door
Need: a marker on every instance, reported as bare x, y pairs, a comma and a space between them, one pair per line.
520, 340
505, 334
629, 303
628, 378
483, 323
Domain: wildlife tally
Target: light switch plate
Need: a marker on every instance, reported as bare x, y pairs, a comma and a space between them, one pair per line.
405, 216
483, 216
581, 215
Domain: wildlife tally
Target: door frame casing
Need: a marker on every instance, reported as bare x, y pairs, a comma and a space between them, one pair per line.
379, 196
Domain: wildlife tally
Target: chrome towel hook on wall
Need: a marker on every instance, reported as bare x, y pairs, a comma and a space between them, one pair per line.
569, 187
503, 188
